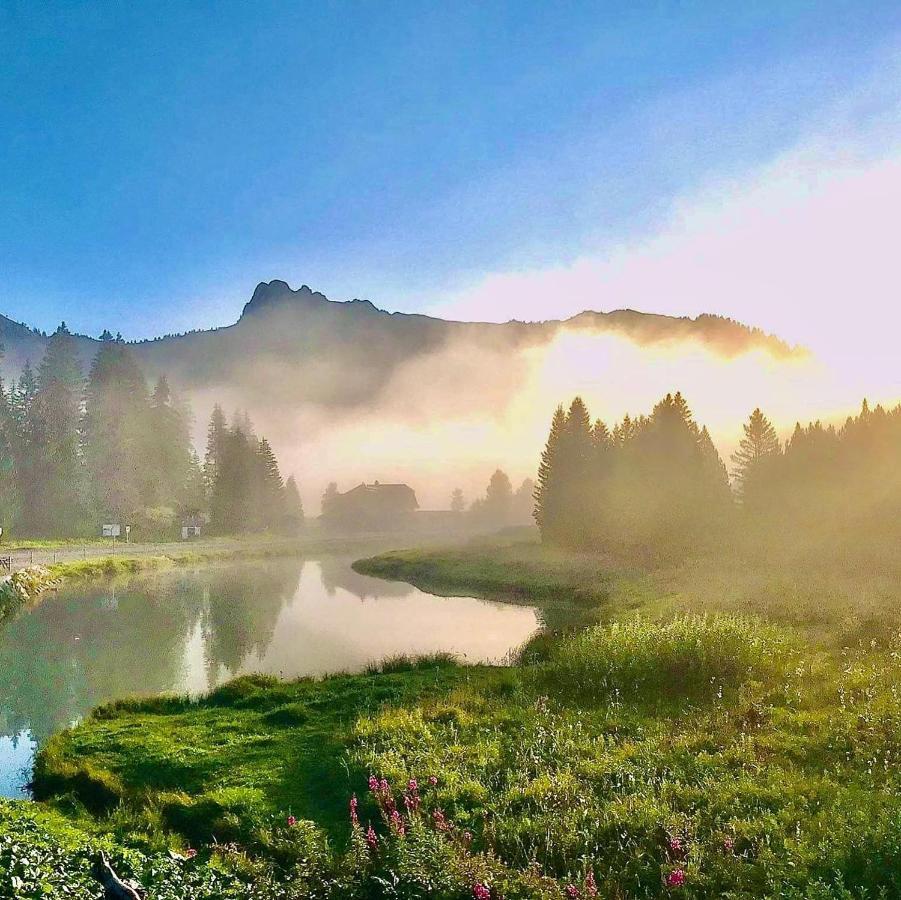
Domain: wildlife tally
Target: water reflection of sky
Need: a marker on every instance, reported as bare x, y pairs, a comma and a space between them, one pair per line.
190, 630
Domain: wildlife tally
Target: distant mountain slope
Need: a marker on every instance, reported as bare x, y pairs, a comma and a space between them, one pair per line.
297, 346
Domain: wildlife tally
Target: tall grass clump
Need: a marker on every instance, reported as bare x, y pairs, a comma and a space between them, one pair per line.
691, 656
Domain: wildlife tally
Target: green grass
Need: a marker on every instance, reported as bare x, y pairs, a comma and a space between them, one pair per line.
692, 727
254, 751
571, 590
834, 598
707, 745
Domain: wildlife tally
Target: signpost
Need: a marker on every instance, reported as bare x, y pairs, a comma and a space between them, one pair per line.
112, 531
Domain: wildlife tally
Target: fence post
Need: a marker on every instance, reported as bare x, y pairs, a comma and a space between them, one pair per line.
32, 557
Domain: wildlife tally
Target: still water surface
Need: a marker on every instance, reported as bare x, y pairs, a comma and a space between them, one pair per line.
189, 630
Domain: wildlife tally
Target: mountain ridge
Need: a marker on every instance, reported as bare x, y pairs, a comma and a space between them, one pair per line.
293, 347
274, 292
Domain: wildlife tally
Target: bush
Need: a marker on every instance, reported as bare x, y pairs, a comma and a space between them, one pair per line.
690, 656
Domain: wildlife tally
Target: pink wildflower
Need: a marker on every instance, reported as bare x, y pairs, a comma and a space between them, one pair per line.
291, 821
439, 820
728, 844
412, 785
354, 803
397, 823
190, 853
675, 879
372, 839
675, 844
572, 892
591, 888
373, 784
481, 891
433, 780
383, 786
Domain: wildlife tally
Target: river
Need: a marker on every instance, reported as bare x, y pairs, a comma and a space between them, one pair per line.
188, 630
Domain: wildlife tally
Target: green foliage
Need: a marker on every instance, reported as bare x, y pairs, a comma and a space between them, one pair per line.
25, 585
247, 493
75, 454
689, 657
782, 784
654, 481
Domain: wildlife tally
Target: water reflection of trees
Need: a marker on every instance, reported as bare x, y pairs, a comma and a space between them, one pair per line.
80, 649
104, 640
242, 608
337, 573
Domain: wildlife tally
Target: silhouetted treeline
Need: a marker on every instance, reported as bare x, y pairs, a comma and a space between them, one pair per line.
658, 481
76, 452
501, 506
245, 487
849, 476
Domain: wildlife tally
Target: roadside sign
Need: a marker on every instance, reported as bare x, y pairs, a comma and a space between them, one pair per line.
112, 531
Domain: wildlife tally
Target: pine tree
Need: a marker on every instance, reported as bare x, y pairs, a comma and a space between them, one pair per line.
330, 501
215, 444
25, 437
498, 502
52, 502
754, 459
168, 441
9, 498
294, 515
270, 490
114, 434
194, 501
523, 502
548, 500
576, 464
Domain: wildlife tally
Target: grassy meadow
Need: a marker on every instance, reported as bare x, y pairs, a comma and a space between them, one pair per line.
641, 749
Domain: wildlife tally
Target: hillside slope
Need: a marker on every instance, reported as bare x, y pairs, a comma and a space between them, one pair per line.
347, 352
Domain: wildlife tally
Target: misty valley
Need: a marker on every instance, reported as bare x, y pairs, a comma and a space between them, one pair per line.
450, 451
637, 671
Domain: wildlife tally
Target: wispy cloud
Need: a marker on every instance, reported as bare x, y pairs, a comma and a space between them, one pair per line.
803, 245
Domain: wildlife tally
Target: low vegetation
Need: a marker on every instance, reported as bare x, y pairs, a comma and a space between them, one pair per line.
697, 756
26, 584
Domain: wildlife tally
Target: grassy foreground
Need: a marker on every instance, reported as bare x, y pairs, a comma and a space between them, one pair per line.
705, 756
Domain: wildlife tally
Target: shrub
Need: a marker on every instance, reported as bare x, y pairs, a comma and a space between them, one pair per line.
403, 662
690, 656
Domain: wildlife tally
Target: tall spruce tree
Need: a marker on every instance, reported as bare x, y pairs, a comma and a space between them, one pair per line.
576, 459
9, 499
53, 502
495, 510
754, 459
114, 434
168, 436
548, 512
270, 489
294, 515
217, 432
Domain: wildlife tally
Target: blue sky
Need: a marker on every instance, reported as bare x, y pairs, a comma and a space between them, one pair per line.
159, 159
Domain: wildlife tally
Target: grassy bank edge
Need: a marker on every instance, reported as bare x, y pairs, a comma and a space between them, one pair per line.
37, 581
104, 566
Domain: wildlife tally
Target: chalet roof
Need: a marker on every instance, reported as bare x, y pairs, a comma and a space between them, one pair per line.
384, 490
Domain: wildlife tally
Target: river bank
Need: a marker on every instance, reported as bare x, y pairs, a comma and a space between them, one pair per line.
658, 754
